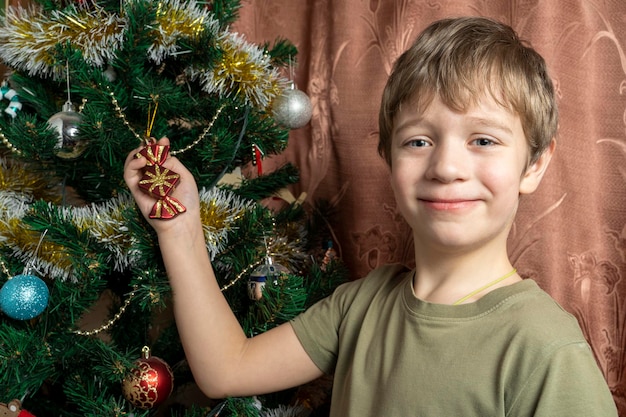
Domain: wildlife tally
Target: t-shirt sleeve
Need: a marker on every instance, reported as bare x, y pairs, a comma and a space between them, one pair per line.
567, 383
318, 330
337, 317
318, 327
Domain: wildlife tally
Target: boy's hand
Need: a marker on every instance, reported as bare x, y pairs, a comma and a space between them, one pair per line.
186, 190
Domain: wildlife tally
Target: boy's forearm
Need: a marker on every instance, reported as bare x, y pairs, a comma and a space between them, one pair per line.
211, 335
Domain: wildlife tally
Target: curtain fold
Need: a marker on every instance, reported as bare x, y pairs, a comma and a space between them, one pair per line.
570, 236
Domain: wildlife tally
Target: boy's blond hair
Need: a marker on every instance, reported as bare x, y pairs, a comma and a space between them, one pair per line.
461, 59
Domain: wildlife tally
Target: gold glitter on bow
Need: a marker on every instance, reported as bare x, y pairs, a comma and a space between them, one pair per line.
159, 182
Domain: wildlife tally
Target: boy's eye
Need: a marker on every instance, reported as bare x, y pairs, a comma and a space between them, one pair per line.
418, 143
484, 142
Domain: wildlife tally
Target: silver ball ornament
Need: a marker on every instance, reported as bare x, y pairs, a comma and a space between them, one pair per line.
66, 123
292, 108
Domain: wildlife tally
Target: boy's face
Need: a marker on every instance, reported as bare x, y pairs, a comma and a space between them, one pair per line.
457, 177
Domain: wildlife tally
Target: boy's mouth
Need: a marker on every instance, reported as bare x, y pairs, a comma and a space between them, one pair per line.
448, 205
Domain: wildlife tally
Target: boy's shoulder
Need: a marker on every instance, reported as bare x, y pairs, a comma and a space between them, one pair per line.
376, 280
523, 308
382, 281
536, 314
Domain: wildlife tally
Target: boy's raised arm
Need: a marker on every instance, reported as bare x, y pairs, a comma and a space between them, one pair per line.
224, 361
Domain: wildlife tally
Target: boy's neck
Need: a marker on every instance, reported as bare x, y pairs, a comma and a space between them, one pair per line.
444, 279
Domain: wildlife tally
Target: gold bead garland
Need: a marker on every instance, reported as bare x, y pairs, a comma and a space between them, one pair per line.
4, 269
12, 147
122, 117
132, 294
112, 321
202, 135
240, 275
8, 144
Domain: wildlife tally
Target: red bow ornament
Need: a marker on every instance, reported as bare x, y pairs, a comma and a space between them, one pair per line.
159, 182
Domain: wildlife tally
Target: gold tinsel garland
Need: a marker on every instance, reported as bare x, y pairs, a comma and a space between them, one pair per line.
244, 70
108, 225
29, 38
178, 19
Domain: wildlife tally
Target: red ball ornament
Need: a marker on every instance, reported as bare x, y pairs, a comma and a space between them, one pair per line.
149, 383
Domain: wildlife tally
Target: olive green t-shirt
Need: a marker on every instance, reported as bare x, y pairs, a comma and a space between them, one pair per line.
515, 352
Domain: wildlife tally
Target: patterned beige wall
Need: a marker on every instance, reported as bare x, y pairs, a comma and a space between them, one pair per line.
570, 235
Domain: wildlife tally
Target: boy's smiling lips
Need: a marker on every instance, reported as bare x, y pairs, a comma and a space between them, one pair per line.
448, 204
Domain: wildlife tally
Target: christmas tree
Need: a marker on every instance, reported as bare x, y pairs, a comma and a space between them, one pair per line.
85, 327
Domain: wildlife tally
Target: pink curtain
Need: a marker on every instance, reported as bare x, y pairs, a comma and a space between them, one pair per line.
570, 236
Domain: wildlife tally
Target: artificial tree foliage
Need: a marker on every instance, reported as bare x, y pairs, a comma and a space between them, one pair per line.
130, 72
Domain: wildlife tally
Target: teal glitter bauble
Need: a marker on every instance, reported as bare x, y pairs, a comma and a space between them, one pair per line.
24, 297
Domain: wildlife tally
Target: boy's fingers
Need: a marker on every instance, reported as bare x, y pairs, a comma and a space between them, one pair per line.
135, 163
132, 156
135, 154
165, 141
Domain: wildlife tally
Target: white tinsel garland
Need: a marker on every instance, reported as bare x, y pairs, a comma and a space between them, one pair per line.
245, 69
29, 39
107, 224
178, 19
219, 209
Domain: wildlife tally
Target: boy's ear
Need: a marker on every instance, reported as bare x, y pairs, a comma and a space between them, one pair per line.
534, 173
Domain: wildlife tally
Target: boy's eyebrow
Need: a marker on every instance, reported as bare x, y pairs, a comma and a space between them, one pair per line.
407, 123
491, 123
481, 121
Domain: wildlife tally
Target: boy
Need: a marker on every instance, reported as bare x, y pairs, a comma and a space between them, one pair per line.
467, 125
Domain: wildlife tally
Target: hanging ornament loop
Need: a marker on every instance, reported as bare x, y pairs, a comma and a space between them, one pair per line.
145, 351
66, 123
29, 267
242, 133
151, 117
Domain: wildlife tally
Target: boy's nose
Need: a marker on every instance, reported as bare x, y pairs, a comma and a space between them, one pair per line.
448, 163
